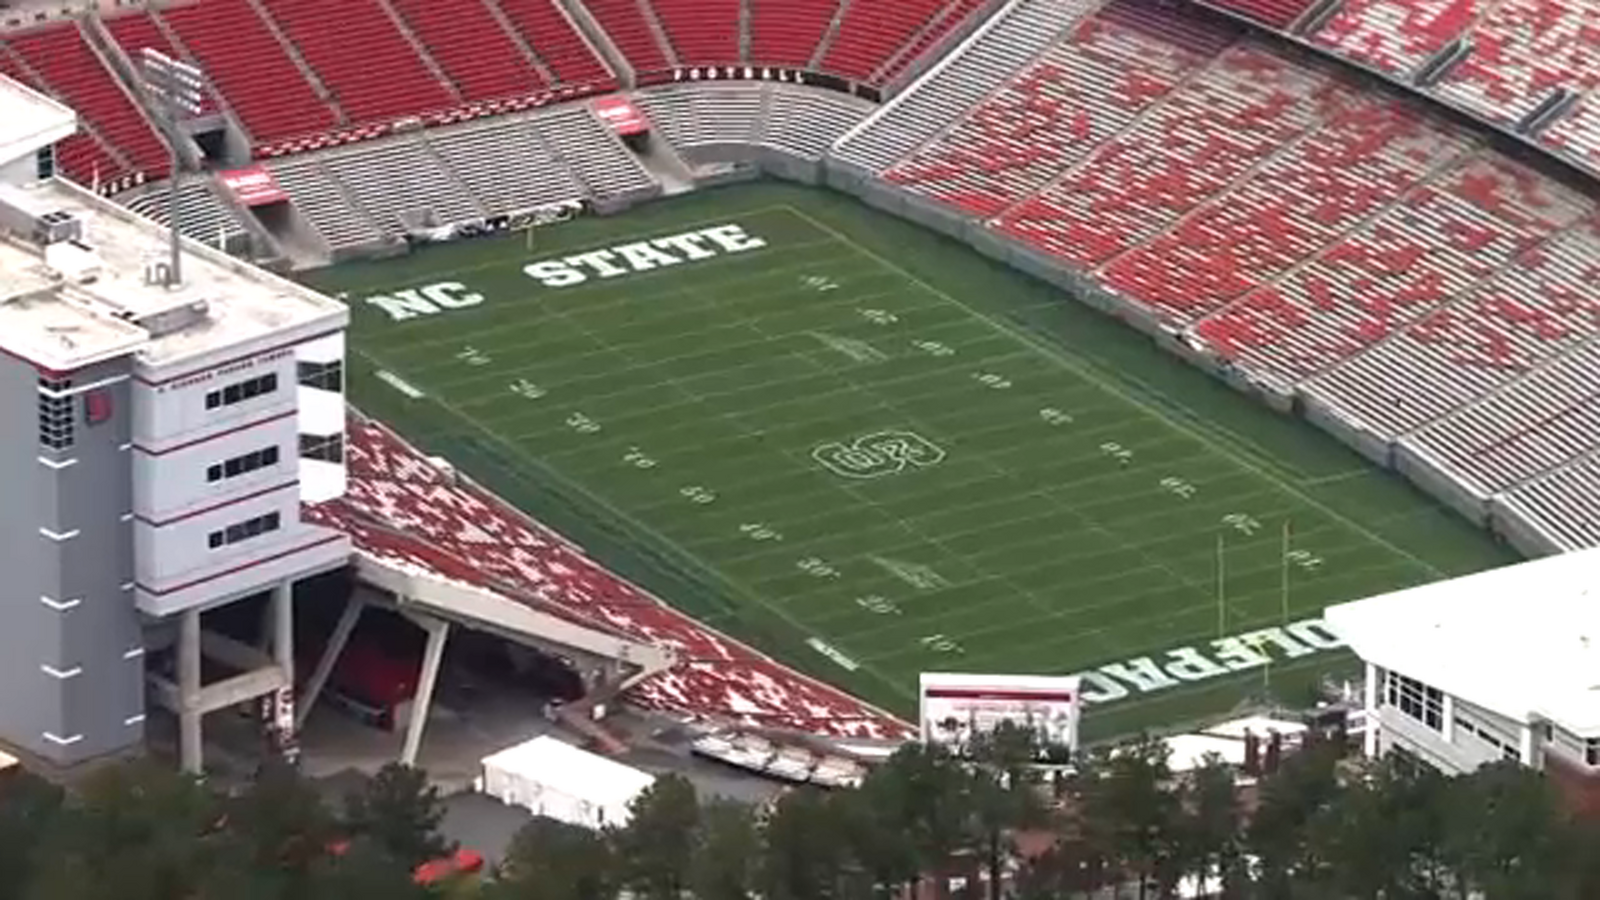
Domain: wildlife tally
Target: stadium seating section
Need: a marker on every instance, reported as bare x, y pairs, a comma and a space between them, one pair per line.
402, 509
1321, 238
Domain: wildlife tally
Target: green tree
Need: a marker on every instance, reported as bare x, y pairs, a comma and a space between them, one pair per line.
1381, 838
134, 832
365, 870
1280, 832
655, 852
1504, 834
280, 826
805, 851
400, 812
926, 796
1211, 820
1130, 808
551, 860
726, 848
1005, 795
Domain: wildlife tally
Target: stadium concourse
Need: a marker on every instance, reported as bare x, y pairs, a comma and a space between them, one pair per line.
1408, 260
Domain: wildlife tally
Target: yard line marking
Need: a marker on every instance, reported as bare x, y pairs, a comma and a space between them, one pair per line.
1072, 366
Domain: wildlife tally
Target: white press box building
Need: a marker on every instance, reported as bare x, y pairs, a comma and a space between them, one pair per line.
159, 441
1502, 664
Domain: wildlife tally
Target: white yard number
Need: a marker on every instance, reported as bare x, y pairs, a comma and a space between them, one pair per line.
756, 531
522, 387
821, 283
582, 424
876, 603
1179, 487
1241, 523
938, 643
1305, 559
472, 356
816, 568
697, 494
879, 316
1117, 451
991, 380
637, 458
934, 348
1052, 416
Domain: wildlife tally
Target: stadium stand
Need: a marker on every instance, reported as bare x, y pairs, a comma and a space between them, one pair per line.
1392, 36
264, 86
1576, 135
384, 79
504, 164
322, 200
1317, 239
557, 43
1544, 302
792, 119
786, 33
1010, 40
402, 509
635, 36
200, 214
875, 38
474, 51
1279, 14
1563, 503
119, 142
395, 182
702, 32
594, 154
1522, 51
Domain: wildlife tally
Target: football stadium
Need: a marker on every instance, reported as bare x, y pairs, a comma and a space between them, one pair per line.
757, 359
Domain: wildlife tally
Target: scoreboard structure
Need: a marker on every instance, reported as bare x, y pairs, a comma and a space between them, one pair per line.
956, 706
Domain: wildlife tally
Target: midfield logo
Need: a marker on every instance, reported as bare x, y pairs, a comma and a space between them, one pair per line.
878, 454
643, 256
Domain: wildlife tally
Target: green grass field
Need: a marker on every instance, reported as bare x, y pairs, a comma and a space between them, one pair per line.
866, 438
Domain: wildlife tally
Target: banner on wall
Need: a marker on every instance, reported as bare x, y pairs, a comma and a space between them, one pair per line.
957, 707
519, 220
618, 112
253, 186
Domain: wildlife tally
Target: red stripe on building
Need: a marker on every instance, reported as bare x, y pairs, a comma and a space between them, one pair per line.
999, 694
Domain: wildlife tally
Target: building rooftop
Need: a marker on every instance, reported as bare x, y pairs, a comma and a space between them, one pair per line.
32, 120
69, 305
1523, 640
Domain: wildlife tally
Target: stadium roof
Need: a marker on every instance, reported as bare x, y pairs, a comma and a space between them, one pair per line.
87, 306
1523, 640
31, 119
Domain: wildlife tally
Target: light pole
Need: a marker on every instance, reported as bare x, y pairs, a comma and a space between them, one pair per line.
178, 91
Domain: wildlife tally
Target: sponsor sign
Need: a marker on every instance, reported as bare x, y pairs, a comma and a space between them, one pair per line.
956, 707
253, 186
624, 118
518, 220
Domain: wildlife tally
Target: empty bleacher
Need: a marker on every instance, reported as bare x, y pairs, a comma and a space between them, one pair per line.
319, 197
871, 32
472, 48
396, 181
1523, 50
558, 44
1394, 36
57, 60
593, 153
201, 215
630, 31
264, 87
364, 61
794, 119
1563, 504
1271, 13
702, 32
786, 33
505, 164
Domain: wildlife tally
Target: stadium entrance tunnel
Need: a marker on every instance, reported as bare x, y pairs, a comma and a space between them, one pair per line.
401, 657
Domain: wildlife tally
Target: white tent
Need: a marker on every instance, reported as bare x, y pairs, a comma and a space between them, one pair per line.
555, 779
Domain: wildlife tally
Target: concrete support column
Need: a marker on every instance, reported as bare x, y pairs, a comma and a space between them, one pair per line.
283, 627
190, 753
330, 656
438, 630
1369, 744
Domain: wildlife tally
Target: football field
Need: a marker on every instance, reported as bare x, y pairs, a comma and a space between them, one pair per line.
874, 453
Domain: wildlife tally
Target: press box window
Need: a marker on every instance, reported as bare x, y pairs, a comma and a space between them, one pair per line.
241, 465
328, 448
244, 531
55, 414
328, 376
242, 391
